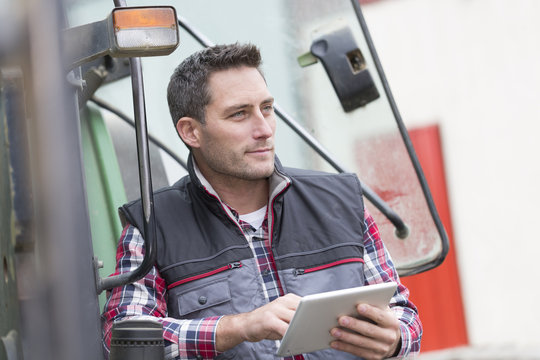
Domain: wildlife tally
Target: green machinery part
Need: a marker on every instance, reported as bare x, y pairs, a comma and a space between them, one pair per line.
105, 189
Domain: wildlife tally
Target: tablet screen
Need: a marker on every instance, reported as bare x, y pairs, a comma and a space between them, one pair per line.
317, 314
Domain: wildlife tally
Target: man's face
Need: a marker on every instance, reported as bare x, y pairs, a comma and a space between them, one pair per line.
237, 140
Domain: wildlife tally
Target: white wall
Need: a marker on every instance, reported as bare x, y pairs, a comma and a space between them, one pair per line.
472, 66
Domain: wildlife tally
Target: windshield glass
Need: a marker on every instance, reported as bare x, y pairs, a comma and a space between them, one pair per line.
366, 140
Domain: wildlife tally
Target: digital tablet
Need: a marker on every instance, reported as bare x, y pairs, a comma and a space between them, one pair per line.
317, 314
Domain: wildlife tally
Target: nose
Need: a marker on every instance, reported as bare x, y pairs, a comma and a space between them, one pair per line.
264, 126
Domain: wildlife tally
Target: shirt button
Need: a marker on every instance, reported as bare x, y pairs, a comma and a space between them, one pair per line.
199, 357
202, 301
266, 272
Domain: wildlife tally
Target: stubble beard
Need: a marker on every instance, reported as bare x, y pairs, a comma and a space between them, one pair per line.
236, 166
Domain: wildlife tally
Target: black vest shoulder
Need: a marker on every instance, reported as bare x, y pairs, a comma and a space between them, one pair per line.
320, 216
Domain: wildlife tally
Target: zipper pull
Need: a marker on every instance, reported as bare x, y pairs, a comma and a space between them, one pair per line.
235, 265
297, 272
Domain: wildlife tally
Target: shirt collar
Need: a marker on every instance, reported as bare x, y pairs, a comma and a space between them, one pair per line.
205, 183
278, 180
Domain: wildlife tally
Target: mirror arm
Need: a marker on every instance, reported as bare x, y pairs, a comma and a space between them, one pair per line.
402, 231
145, 179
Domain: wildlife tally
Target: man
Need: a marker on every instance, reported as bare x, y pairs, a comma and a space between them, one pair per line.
241, 238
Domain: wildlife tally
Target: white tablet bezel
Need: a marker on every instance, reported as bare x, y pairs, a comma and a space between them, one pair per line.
317, 314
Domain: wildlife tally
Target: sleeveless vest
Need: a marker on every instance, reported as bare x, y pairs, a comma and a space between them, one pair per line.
316, 225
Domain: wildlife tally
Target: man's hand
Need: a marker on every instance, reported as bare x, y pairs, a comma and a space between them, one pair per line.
364, 339
267, 322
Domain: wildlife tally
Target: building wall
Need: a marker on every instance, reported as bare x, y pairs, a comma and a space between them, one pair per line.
472, 68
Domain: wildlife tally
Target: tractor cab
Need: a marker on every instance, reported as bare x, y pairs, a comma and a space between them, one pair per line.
85, 128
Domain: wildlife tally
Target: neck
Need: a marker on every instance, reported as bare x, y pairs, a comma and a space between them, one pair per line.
245, 196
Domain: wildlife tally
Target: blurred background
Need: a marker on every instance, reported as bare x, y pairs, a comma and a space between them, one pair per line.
469, 67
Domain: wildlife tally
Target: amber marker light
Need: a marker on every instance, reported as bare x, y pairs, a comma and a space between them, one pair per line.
145, 28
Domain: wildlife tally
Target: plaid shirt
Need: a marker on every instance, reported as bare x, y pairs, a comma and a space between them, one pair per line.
262, 250
195, 339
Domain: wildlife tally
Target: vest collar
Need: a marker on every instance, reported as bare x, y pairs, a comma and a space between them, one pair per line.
279, 180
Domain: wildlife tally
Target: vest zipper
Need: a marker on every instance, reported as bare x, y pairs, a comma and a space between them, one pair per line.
299, 271
233, 265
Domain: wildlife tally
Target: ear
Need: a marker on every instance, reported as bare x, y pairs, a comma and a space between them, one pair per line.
189, 130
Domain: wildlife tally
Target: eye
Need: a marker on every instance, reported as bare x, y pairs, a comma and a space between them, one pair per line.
268, 108
238, 115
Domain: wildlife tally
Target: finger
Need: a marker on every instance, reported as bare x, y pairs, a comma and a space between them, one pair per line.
283, 313
289, 300
268, 322
356, 340
365, 334
382, 317
364, 353
278, 328
283, 309
362, 327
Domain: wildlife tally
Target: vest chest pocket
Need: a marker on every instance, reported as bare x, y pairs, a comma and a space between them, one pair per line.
211, 293
209, 298
335, 275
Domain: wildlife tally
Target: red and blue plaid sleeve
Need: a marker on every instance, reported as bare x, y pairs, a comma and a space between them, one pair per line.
380, 268
184, 339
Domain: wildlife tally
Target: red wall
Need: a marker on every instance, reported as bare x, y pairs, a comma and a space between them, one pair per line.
437, 292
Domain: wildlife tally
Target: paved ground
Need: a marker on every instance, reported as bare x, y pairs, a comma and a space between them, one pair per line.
497, 352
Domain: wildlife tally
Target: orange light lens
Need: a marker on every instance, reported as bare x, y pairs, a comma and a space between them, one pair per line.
143, 17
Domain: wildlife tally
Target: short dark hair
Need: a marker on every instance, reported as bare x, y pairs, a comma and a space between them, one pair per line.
188, 92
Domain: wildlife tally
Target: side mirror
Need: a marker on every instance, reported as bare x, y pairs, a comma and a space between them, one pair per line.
126, 32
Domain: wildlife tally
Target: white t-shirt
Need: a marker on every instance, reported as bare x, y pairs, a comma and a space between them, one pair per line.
255, 218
